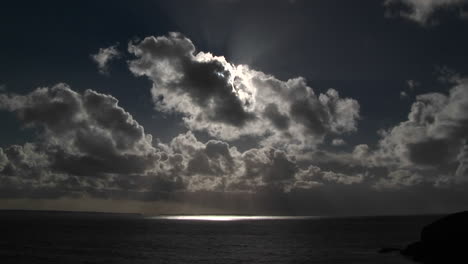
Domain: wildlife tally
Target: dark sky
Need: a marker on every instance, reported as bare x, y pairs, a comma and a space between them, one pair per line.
331, 107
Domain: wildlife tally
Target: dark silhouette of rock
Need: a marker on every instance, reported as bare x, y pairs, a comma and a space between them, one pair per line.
444, 241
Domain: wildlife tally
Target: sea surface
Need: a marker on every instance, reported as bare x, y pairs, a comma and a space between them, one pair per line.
33, 237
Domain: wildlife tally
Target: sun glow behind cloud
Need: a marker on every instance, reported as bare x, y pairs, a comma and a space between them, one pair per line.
229, 217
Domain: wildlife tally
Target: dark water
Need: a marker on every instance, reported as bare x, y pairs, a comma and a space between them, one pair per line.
70, 238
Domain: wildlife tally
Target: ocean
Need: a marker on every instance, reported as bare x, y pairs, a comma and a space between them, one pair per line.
35, 237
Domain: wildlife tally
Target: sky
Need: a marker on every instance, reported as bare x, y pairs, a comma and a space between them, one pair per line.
233, 106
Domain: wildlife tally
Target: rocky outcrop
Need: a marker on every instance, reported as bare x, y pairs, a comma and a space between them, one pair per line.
444, 241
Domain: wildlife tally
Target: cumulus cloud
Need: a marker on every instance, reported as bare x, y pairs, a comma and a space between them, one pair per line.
231, 101
216, 166
89, 144
104, 56
430, 145
421, 11
85, 135
203, 82
90, 122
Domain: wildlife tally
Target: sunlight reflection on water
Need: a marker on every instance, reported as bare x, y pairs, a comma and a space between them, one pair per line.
229, 217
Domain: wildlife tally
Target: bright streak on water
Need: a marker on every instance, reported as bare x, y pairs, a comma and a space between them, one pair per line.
229, 217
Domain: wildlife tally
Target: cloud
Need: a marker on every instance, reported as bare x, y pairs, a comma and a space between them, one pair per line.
430, 146
104, 56
399, 179
338, 142
216, 166
461, 174
421, 11
412, 84
320, 175
90, 122
85, 139
89, 144
231, 101
3, 159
